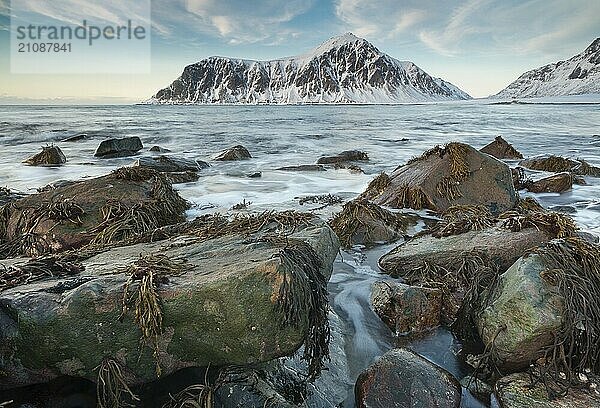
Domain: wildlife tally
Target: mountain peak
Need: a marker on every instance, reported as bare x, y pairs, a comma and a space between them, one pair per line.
594, 47
338, 41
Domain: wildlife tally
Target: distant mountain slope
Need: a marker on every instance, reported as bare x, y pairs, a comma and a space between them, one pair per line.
576, 76
344, 69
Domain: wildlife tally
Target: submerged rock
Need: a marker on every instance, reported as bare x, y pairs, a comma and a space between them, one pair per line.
558, 183
113, 148
303, 167
238, 152
557, 164
518, 391
453, 175
169, 164
406, 309
158, 149
76, 138
401, 378
345, 156
501, 149
362, 222
49, 156
233, 295
102, 210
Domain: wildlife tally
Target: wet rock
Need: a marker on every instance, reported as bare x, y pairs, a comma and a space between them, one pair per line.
158, 149
501, 149
100, 210
345, 156
49, 156
454, 175
478, 388
303, 167
182, 177
8, 196
586, 236
56, 184
558, 183
565, 209
169, 164
517, 391
238, 152
557, 164
256, 174
222, 302
76, 138
113, 148
524, 315
406, 309
402, 378
362, 222
352, 168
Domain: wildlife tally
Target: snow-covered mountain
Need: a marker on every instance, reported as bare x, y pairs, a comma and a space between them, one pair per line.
576, 76
344, 69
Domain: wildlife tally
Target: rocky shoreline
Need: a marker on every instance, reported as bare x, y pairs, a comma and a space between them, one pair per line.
105, 281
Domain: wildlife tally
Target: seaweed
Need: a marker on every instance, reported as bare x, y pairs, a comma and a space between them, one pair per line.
134, 173
459, 219
408, 197
376, 187
556, 224
457, 153
553, 164
242, 205
112, 390
448, 188
325, 200
36, 270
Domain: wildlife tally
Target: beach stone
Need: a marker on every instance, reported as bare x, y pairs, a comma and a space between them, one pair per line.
158, 149
430, 182
401, 378
76, 138
406, 309
345, 156
124, 147
238, 152
49, 156
516, 391
501, 149
558, 183
303, 167
74, 215
524, 315
221, 310
170, 164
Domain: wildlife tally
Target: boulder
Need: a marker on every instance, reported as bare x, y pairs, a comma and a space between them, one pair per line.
453, 175
102, 210
182, 177
49, 156
557, 164
170, 164
401, 378
518, 391
235, 295
345, 156
406, 309
365, 223
113, 148
303, 167
558, 183
524, 315
158, 149
238, 152
501, 149
76, 138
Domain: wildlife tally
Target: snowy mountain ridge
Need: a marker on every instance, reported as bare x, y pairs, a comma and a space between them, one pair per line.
344, 69
575, 76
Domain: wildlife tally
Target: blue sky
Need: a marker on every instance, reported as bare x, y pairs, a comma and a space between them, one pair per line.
479, 45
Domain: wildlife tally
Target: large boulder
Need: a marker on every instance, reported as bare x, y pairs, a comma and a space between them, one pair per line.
501, 149
49, 156
343, 157
102, 210
406, 309
170, 164
401, 378
558, 183
238, 152
558, 164
235, 295
456, 174
124, 147
518, 391
524, 315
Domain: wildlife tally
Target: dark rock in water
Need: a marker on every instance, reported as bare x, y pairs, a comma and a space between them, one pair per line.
352, 168
113, 148
586, 236
182, 177
100, 210
402, 378
518, 391
169, 164
238, 152
345, 156
303, 167
406, 309
158, 149
233, 295
454, 175
8, 196
49, 156
524, 316
557, 164
362, 222
558, 183
76, 138
56, 184
501, 149
565, 209
478, 388
256, 174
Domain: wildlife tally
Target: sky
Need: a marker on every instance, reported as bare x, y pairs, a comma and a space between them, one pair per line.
479, 45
